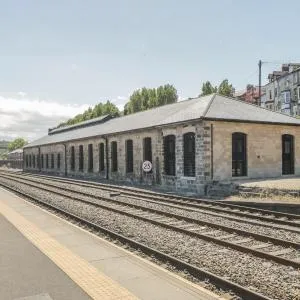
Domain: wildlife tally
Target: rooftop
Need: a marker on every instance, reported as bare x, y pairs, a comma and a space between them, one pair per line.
211, 107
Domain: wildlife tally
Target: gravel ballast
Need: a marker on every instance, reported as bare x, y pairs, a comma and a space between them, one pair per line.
269, 278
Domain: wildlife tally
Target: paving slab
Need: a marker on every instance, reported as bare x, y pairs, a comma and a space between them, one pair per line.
27, 274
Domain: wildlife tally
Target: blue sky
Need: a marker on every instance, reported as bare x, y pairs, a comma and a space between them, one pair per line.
71, 54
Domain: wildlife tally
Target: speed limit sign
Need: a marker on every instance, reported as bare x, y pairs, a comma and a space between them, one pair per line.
147, 166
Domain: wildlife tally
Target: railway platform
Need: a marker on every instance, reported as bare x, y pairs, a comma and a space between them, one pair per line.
43, 257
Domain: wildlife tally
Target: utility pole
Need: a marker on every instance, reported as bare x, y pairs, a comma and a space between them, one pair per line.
259, 82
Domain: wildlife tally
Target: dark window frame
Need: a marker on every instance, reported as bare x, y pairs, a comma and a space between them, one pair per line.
114, 156
58, 161
189, 154
33, 161
147, 149
239, 154
170, 155
101, 157
72, 158
52, 160
129, 156
90, 158
81, 158
47, 161
288, 157
42, 161
30, 161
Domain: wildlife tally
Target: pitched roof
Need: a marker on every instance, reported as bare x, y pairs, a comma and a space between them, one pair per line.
213, 107
90, 122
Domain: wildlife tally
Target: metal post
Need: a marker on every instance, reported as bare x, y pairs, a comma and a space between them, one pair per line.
259, 82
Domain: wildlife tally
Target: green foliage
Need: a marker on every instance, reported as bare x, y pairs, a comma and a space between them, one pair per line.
224, 88
99, 110
207, 89
146, 98
17, 143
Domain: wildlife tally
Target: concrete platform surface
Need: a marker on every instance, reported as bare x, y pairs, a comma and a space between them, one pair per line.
26, 273
98, 268
284, 183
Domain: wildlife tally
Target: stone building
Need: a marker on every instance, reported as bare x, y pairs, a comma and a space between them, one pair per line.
282, 93
191, 145
16, 154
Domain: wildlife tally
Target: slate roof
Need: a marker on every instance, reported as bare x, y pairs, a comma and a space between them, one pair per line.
81, 124
212, 107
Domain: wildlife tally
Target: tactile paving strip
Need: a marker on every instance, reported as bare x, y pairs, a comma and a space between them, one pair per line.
93, 282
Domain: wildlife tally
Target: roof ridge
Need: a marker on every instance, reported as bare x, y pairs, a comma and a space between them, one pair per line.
264, 108
209, 104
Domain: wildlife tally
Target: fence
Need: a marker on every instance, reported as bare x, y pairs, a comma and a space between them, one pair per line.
10, 163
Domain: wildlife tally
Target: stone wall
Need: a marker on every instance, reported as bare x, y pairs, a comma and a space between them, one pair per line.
264, 149
157, 177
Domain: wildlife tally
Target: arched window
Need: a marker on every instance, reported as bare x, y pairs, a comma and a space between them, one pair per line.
189, 154
52, 161
114, 157
169, 155
288, 166
58, 161
90, 158
101, 157
239, 154
81, 158
129, 156
72, 158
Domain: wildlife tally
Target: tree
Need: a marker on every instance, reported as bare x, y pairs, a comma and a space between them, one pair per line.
146, 98
17, 143
225, 88
98, 110
207, 89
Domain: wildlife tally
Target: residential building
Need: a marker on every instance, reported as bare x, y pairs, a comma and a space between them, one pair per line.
283, 90
250, 94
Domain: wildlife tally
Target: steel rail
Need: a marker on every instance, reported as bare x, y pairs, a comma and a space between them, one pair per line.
197, 272
181, 200
221, 242
271, 222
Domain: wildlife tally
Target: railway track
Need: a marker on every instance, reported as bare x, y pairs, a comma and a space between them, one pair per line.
250, 218
261, 245
176, 223
203, 204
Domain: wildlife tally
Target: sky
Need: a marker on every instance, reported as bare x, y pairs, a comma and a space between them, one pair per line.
59, 57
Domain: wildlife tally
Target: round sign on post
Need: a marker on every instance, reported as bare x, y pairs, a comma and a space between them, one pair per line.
147, 166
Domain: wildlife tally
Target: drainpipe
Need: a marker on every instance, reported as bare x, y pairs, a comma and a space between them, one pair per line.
66, 167
106, 157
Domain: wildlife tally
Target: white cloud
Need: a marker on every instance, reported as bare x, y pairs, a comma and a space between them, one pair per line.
31, 118
74, 67
22, 94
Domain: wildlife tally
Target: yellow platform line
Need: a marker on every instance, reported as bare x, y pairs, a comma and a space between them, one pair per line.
92, 281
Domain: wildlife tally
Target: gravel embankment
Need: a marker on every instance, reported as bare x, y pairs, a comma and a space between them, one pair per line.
269, 278
198, 215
